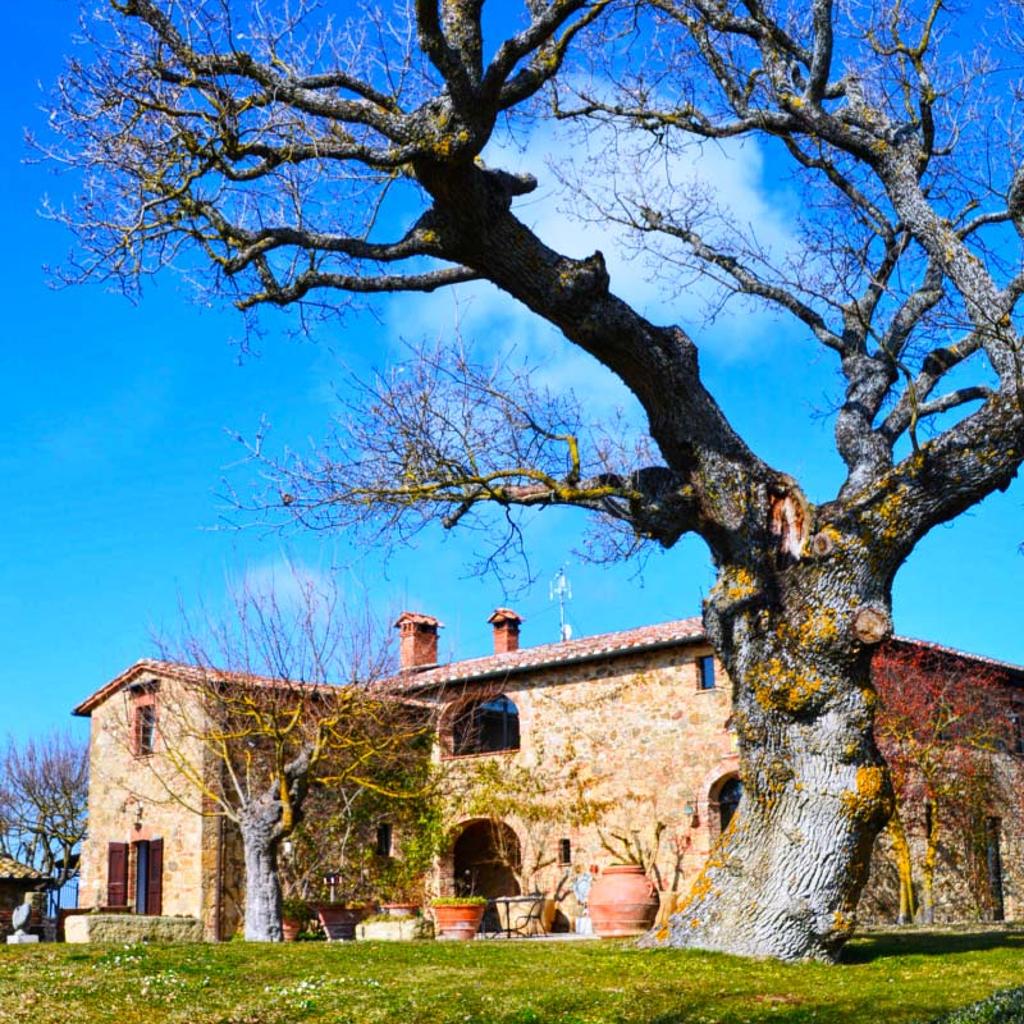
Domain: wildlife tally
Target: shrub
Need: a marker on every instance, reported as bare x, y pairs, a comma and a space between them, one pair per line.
295, 909
1006, 1007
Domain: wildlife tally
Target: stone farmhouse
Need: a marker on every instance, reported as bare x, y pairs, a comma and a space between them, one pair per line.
637, 720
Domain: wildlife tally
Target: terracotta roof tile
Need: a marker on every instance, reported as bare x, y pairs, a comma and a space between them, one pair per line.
525, 659
563, 653
179, 670
11, 869
930, 645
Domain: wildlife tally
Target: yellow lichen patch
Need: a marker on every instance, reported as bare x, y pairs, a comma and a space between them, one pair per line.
778, 688
735, 585
842, 923
702, 884
871, 796
888, 524
818, 629
662, 933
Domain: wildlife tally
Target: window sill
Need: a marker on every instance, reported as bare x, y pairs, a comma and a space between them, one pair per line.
481, 753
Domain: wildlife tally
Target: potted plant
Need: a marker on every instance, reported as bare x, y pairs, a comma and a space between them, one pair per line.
400, 885
295, 912
458, 917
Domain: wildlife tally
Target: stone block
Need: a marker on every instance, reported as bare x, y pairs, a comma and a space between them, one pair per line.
122, 928
22, 940
400, 929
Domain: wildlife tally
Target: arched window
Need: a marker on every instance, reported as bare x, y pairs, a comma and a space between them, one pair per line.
486, 726
728, 800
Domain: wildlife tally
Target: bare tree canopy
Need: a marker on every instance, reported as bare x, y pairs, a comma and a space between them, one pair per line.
302, 159
44, 789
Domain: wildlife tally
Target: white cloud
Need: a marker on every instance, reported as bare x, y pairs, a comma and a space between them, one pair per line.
491, 322
283, 578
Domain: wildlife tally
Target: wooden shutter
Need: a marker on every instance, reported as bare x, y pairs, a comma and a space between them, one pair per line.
117, 874
155, 893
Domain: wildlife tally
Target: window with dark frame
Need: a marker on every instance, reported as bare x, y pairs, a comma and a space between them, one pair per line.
564, 852
141, 877
706, 668
729, 797
145, 728
384, 839
486, 727
1017, 732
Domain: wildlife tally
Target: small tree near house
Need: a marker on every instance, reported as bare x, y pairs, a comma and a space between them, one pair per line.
260, 722
947, 730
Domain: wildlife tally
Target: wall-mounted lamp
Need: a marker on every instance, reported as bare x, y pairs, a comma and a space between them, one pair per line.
690, 811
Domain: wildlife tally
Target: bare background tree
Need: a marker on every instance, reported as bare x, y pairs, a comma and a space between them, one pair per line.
288, 158
948, 731
44, 790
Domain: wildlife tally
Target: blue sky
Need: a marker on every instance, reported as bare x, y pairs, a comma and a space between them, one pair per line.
116, 431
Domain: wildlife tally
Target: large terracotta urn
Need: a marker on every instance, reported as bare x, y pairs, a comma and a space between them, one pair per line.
623, 902
457, 920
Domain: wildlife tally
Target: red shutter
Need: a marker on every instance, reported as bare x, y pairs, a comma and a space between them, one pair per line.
117, 874
155, 895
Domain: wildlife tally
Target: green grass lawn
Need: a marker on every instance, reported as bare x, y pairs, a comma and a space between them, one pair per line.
885, 979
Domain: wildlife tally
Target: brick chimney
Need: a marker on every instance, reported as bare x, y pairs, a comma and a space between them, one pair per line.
418, 640
506, 630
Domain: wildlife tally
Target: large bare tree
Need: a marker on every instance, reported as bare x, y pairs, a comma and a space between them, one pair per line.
287, 158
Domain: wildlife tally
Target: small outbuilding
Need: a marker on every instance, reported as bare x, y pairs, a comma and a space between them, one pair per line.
16, 881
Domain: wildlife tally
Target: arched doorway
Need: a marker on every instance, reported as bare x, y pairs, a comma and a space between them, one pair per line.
486, 858
729, 795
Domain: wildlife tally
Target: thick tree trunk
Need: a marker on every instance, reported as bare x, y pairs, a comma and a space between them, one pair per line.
785, 878
262, 888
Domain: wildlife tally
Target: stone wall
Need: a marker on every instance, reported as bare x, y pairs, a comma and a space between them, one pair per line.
122, 928
142, 797
638, 734
962, 884
653, 746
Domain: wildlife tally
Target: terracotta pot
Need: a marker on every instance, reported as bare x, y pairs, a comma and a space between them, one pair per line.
290, 929
623, 902
340, 921
459, 922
